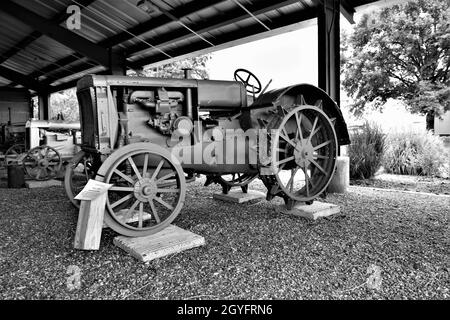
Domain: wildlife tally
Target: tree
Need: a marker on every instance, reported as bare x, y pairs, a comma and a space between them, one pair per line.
400, 52
175, 69
65, 103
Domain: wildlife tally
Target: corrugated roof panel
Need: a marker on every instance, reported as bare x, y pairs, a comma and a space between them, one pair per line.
78, 75
4, 82
46, 9
11, 32
39, 54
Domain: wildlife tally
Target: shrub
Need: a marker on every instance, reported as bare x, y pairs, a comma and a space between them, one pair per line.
366, 151
415, 153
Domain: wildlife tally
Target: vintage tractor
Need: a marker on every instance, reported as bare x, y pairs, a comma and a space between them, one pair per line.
48, 144
147, 136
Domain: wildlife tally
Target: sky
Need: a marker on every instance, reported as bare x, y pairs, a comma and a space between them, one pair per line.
289, 58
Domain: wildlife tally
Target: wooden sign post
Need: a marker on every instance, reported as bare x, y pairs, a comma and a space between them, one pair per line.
90, 218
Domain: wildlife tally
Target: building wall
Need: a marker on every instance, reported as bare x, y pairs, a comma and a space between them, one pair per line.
19, 101
442, 126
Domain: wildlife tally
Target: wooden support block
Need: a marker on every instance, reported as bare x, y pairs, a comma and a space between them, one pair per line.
168, 241
90, 223
32, 184
237, 196
313, 211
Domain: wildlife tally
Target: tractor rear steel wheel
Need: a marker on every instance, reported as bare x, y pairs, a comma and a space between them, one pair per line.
79, 170
42, 163
148, 191
304, 150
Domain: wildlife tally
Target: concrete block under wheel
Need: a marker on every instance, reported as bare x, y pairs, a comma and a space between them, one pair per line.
238, 196
168, 241
32, 184
313, 211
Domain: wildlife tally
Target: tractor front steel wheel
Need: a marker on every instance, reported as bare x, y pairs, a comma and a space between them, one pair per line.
79, 170
304, 151
148, 191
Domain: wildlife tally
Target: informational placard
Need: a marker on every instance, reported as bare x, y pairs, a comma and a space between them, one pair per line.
93, 190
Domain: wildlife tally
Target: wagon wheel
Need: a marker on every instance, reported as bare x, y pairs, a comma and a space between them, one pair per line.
79, 170
42, 163
304, 152
148, 189
228, 181
13, 154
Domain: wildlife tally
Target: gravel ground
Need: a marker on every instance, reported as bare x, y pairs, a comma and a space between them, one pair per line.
409, 183
251, 251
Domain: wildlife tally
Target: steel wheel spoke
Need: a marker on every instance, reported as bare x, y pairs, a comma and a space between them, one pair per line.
312, 129
318, 166
285, 160
291, 179
322, 145
135, 169
284, 135
321, 157
315, 131
141, 214
306, 180
168, 190
130, 212
158, 168
155, 213
319, 104
165, 204
302, 100
298, 119
124, 176
114, 188
167, 176
144, 169
127, 197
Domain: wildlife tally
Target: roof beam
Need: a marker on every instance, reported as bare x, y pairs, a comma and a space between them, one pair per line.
23, 80
180, 13
275, 23
70, 39
347, 11
22, 44
70, 84
225, 19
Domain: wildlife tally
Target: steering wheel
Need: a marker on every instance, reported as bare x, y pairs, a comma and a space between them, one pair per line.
251, 82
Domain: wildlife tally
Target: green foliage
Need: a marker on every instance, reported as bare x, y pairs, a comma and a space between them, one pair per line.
415, 153
400, 52
366, 151
175, 69
65, 103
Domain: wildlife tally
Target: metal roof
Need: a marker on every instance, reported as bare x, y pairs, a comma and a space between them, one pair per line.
171, 29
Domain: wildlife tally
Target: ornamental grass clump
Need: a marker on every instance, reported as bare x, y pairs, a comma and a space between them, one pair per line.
416, 153
366, 151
